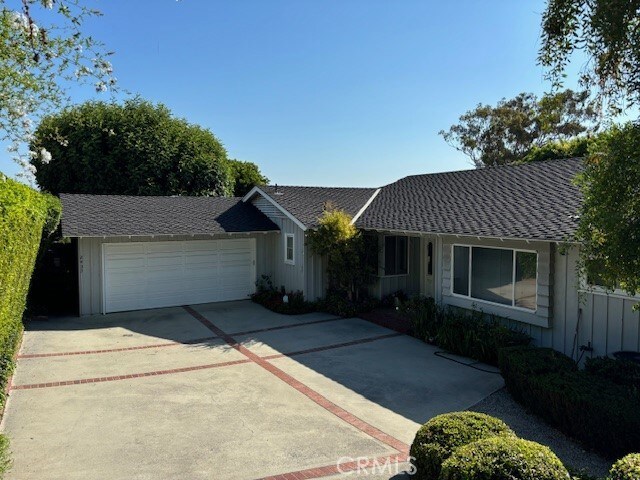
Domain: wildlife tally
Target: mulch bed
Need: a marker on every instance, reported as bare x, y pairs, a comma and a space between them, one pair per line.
388, 318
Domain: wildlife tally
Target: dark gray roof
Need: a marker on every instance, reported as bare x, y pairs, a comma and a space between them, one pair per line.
308, 203
529, 201
111, 215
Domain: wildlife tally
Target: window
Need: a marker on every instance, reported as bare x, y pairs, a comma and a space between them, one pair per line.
430, 261
496, 275
396, 256
289, 242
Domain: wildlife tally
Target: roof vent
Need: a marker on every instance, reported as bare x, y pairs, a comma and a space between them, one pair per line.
276, 191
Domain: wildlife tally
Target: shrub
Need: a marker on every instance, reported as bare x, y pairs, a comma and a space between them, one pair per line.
627, 468
267, 296
596, 411
471, 334
23, 213
439, 437
339, 304
503, 458
621, 372
5, 455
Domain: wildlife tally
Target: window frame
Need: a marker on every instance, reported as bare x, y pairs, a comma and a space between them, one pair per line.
384, 256
513, 305
291, 236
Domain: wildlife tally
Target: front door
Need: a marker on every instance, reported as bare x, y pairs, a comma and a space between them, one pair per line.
429, 266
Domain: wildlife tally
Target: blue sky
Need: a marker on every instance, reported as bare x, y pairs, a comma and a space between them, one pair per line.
324, 92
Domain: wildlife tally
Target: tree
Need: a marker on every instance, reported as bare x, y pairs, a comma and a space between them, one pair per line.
607, 32
42, 51
348, 264
509, 131
246, 175
576, 147
134, 148
609, 226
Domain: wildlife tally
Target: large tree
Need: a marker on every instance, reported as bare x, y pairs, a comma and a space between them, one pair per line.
134, 148
607, 32
43, 50
609, 229
246, 175
508, 132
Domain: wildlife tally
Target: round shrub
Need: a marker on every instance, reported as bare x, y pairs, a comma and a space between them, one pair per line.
627, 468
440, 436
503, 458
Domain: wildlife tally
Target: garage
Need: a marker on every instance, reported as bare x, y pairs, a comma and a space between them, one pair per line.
143, 275
144, 252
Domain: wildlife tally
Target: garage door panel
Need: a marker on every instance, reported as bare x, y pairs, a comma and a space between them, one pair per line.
161, 274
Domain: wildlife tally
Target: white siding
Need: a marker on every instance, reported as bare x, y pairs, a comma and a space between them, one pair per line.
90, 262
292, 277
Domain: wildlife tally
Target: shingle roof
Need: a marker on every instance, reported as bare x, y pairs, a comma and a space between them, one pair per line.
530, 201
308, 203
110, 215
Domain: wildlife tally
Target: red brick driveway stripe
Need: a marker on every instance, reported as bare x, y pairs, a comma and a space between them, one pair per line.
302, 388
114, 378
368, 465
171, 344
111, 350
197, 367
332, 346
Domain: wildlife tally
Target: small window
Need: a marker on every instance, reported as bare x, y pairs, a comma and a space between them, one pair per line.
289, 242
396, 255
430, 261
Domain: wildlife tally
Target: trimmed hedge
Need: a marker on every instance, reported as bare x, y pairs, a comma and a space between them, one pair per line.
437, 439
627, 468
23, 214
503, 458
621, 372
596, 411
468, 333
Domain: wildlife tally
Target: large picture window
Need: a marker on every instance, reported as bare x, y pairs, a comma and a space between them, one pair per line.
396, 255
497, 275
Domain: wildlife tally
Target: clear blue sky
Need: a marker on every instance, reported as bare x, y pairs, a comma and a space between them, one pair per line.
324, 92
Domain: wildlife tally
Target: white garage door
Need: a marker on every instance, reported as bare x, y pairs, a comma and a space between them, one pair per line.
163, 274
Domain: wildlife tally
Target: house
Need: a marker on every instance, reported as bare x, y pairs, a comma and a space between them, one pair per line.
495, 239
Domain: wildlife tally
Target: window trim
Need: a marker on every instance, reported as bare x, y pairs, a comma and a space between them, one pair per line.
384, 251
513, 275
291, 236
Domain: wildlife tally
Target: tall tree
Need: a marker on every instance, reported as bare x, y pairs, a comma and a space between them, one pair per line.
609, 227
607, 31
509, 131
134, 148
42, 52
246, 175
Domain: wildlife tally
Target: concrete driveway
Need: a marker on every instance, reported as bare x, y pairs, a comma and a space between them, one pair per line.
227, 390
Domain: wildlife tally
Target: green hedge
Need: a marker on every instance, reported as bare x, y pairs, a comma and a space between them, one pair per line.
627, 468
471, 334
596, 411
24, 213
437, 439
503, 458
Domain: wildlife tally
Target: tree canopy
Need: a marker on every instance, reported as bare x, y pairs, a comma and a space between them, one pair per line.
609, 226
607, 32
42, 52
134, 148
511, 130
246, 175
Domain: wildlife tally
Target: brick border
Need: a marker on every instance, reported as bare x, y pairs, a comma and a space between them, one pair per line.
114, 378
62, 383
338, 468
316, 397
172, 343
